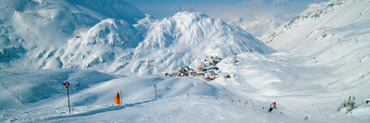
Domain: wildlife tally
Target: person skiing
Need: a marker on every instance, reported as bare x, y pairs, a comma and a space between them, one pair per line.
272, 106
368, 101
306, 117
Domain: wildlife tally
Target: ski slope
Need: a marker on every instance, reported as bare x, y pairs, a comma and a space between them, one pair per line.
316, 62
334, 37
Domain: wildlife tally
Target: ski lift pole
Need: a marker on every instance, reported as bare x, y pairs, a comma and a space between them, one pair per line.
66, 84
155, 92
234, 59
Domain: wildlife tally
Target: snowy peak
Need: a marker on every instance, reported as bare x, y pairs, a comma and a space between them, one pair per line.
169, 43
116, 33
99, 44
202, 34
113, 36
45, 21
188, 36
41, 29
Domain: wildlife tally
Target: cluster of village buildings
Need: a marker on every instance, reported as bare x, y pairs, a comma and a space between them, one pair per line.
206, 70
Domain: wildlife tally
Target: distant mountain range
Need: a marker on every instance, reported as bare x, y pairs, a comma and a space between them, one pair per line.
111, 36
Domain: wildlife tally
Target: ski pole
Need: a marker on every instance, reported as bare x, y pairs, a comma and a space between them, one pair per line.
66, 84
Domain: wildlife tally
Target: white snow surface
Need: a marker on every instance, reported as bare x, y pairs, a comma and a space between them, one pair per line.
320, 60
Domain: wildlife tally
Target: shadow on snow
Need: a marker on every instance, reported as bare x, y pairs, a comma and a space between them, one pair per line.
101, 110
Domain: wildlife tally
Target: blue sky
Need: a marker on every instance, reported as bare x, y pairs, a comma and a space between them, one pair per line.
225, 9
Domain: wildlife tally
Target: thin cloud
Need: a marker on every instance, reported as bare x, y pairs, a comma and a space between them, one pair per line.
280, 2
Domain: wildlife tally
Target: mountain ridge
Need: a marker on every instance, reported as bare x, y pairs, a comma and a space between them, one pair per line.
77, 34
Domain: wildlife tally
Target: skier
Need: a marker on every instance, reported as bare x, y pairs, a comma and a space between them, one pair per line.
306, 117
272, 106
368, 101
77, 85
351, 104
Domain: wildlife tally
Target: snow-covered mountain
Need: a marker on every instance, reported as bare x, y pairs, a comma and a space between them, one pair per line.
186, 37
322, 58
115, 46
328, 31
90, 34
318, 15
33, 28
335, 35
259, 26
